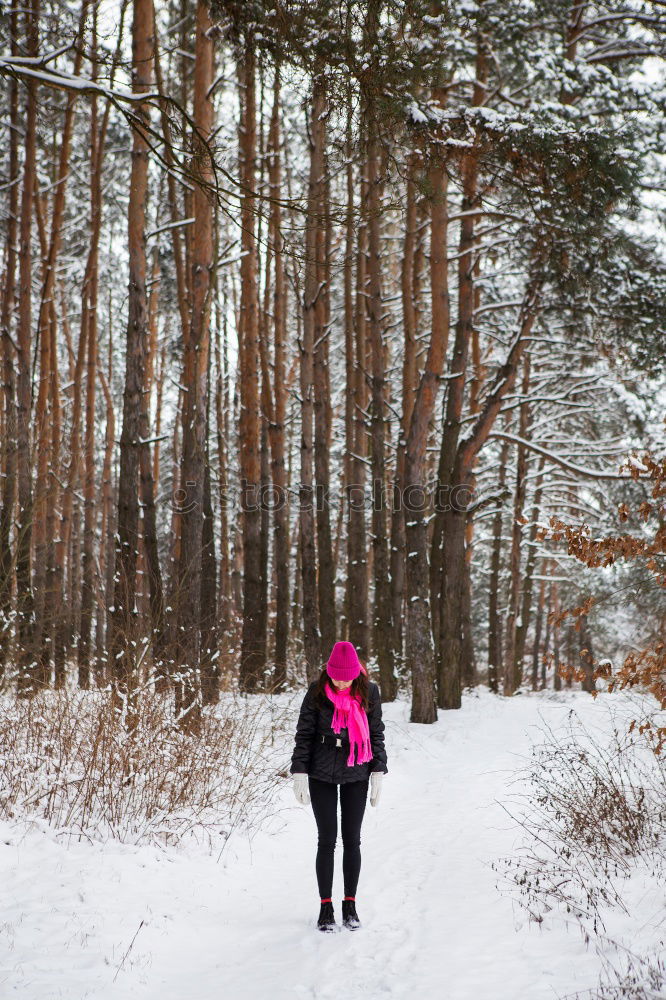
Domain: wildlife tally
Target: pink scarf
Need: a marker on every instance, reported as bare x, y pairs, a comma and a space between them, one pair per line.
349, 713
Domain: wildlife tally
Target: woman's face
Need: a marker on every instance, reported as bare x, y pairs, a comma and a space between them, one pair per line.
342, 685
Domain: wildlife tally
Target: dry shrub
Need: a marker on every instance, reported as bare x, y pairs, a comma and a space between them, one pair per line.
638, 977
65, 758
594, 813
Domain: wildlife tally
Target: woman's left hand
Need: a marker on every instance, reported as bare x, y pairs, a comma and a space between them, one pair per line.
375, 786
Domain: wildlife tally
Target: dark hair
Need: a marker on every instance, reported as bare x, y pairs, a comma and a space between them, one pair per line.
359, 686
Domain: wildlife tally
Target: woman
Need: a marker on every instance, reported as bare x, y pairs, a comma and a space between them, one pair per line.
339, 741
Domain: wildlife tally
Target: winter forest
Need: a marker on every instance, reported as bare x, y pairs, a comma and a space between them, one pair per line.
326, 320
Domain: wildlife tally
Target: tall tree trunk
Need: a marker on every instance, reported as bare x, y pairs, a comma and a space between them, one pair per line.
547, 637
124, 640
557, 680
222, 419
276, 428
107, 530
73, 600
63, 542
265, 508
357, 597
210, 664
26, 658
383, 638
265, 394
495, 658
538, 627
41, 498
523, 624
150, 544
348, 301
90, 306
311, 634
88, 569
408, 291
196, 370
513, 669
468, 666
253, 642
420, 650
51, 593
147, 469
323, 416
452, 496
8, 457
162, 681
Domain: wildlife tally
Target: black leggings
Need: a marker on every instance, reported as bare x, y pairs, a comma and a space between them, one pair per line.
324, 798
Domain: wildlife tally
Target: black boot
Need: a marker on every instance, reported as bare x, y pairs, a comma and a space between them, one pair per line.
326, 920
349, 914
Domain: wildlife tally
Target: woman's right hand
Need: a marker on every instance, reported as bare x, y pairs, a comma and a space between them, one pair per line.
301, 789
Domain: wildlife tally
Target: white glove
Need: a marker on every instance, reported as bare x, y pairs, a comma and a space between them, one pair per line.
301, 789
375, 786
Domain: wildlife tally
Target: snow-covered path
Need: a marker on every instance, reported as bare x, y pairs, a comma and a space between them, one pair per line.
434, 925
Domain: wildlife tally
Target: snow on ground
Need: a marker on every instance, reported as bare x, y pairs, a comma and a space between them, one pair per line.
108, 920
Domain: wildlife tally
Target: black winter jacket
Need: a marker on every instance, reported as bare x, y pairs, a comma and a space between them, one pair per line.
328, 762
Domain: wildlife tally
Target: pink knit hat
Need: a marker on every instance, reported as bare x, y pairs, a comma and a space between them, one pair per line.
343, 663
